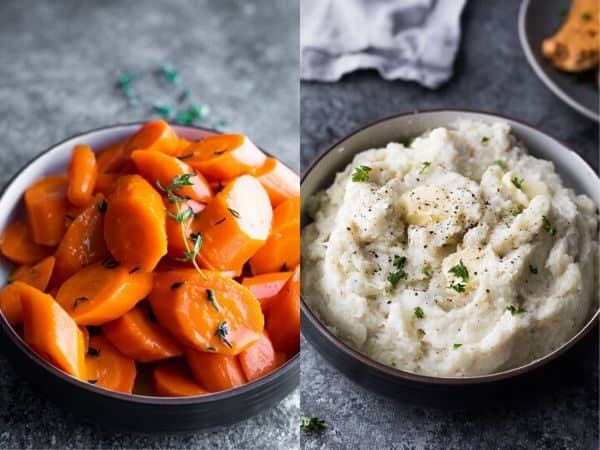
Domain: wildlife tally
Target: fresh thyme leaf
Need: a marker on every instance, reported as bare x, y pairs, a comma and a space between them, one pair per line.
220, 152
102, 205
182, 180
134, 269
78, 301
186, 156
514, 310
109, 262
500, 163
234, 213
181, 216
515, 209
424, 166
517, 182
220, 221
212, 298
586, 16
222, 333
455, 346
361, 174
485, 140
425, 271
458, 287
92, 381
177, 284
312, 423
460, 271
533, 269
210, 348
418, 311
93, 352
548, 226
395, 277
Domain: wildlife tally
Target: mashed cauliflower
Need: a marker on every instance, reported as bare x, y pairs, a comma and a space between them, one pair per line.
458, 255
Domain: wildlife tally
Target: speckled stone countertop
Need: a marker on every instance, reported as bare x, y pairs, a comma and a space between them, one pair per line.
59, 62
491, 74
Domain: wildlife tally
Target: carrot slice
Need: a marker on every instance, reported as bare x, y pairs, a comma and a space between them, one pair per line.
105, 183
46, 202
102, 292
16, 243
156, 135
157, 167
86, 338
177, 230
279, 181
134, 226
113, 158
224, 156
259, 359
136, 336
83, 243
234, 225
215, 372
107, 367
209, 311
282, 249
82, 173
280, 358
283, 321
51, 332
174, 379
266, 287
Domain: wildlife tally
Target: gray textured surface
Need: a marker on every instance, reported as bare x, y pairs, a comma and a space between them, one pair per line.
491, 74
59, 62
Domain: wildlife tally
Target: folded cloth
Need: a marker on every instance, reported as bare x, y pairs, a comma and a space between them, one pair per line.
407, 39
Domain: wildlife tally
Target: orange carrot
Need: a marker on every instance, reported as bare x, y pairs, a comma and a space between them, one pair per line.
16, 243
278, 180
137, 336
83, 243
234, 225
105, 183
174, 379
175, 235
113, 158
215, 372
82, 173
46, 202
282, 249
283, 321
157, 167
103, 292
107, 367
134, 225
208, 311
266, 287
280, 358
51, 332
156, 136
86, 338
259, 359
224, 156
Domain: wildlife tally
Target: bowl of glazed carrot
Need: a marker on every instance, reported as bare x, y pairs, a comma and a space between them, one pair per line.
151, 276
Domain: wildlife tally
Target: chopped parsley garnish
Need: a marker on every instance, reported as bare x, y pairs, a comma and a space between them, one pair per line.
517, 182
176, 285
134, 269
234, 213
514, 310
548, 226
361, 174
455, 346
78, 301
399, 261
460, 271
533, 269
212, 298
500, 163
424, 166
186, 156
93, 352
458, 287
418, 311
485, 140
515, 209
210, 348
312, 423
222, 333
425, 271
586, 16
395, 277
408, 142
190, 255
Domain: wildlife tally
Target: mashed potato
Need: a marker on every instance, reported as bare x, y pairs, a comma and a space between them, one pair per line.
458, 255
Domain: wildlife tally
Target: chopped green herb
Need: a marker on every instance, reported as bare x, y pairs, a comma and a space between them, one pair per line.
220, 221
93, 352
485, 140
186, 156
586, 16
395, 277
455, 346
234, 213
181, 216
78, 301
361, 174
190, 255
515, 209
222, 333
109, 262
134, 269
548, 226
514, 310
177, 284
399, 261
312, 423
500, 163
458, 287
517, 182
424, 166
212, 298
102, 205
533, 269
418, 311
408, 142
210, 348
460, 271
425, 271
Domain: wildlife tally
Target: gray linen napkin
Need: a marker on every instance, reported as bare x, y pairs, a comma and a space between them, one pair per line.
408, 39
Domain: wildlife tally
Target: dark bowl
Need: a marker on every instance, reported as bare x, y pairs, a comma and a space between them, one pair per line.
131, 412
438, 391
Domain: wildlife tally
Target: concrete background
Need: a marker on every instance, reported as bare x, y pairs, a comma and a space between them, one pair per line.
492, 74
59, 62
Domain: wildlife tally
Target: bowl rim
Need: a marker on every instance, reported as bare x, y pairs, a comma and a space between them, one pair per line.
550, 84
10, 333
428, 379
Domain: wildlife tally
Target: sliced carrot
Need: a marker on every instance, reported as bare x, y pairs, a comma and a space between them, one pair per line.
283, 321
107, 367
10, 304
215, 372
46, 202
280, 358
51, 332
16, 243
82, 173
103, 292
86, 338
176, 230
137, 336
182, 145
224, 156
160, 168
134, 225
266, 287
174, 379
83, 243
207, 311
279, 181
234, 225
282, 249
156, 136
113, 158
106, 182
259, 359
